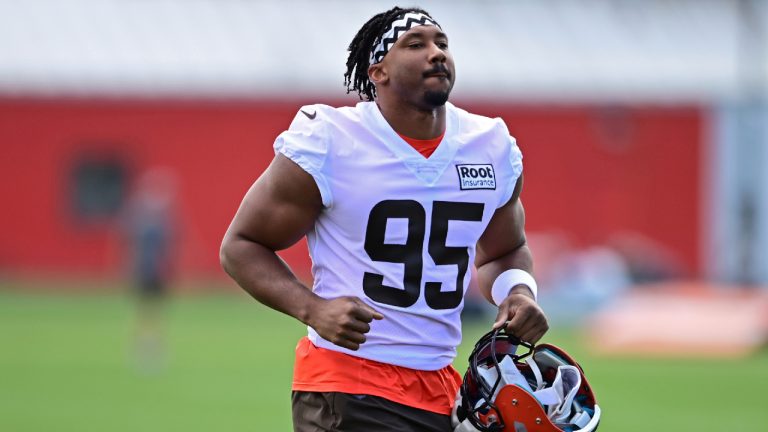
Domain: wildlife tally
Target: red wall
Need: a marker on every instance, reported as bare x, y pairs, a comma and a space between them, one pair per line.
590, 171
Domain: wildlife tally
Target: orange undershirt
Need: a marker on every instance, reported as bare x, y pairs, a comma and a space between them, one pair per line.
323, 370
425, 147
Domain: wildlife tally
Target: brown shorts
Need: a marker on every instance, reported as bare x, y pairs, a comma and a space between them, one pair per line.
342, 412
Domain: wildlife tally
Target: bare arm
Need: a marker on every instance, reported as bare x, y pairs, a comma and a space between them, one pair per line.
501, 247
277, 211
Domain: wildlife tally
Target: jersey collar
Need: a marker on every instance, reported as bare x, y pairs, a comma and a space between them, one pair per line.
428, 170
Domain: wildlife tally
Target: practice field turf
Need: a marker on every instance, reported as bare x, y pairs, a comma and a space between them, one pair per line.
67, 363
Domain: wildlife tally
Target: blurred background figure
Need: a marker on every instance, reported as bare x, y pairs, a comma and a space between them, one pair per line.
150, 228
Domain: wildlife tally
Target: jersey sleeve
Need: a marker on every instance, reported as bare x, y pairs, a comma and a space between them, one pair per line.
514, 163
306, 144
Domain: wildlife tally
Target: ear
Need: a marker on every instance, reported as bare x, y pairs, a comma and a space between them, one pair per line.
378, 74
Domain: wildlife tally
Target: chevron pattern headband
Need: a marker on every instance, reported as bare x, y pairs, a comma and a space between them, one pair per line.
396, 29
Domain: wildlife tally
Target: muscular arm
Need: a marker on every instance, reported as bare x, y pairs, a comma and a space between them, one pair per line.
277, 211
501, 247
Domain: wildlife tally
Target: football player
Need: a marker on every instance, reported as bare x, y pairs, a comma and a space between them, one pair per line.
398, 196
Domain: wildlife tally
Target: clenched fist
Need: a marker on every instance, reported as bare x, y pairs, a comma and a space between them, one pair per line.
343, 321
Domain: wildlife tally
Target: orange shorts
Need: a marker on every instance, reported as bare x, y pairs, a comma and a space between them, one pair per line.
322, 370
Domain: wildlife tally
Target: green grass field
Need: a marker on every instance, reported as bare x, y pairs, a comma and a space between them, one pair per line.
67, 363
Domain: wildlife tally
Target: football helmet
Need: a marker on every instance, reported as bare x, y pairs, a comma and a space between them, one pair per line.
539, 390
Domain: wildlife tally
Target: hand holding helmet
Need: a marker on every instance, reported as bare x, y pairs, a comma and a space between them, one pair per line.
542, 389
520, 314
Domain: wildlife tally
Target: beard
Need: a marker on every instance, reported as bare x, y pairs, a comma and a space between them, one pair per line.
438, 98
434, 98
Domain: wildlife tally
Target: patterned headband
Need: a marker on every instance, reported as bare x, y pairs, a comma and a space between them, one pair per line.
396, 29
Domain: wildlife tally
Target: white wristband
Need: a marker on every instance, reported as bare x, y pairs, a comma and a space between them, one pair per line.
510, 279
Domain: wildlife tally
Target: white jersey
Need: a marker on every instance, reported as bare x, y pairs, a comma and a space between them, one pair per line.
399, 230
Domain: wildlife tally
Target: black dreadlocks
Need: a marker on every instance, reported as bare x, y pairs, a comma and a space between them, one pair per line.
356, 76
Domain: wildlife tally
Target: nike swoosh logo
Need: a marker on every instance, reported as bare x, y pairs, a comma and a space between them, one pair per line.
310, 116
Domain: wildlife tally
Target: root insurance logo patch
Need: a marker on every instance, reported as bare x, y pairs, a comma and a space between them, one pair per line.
476, 176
